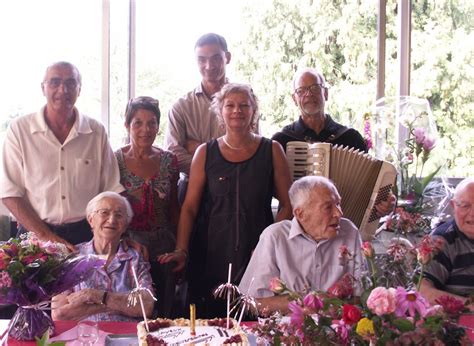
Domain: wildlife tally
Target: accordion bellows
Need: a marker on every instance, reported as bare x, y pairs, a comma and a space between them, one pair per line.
362, 180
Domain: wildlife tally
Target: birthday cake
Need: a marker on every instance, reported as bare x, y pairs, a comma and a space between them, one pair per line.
178, 332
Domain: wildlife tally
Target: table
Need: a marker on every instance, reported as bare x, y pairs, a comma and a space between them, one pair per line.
62, 326
466, 320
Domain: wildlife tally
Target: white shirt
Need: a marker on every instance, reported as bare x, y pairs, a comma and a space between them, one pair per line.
57, 179
286, 252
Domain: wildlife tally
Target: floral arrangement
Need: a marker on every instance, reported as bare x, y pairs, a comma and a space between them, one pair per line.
31, 272
417, 194
383, 315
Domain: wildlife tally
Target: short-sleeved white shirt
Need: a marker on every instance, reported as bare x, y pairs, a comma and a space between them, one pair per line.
57, 179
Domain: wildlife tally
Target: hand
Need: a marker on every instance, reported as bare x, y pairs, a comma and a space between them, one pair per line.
127, 242
86, 296
178, 256
386, 207
191, 146
52, 237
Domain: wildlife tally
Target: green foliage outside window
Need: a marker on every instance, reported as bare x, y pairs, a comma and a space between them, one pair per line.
339, 38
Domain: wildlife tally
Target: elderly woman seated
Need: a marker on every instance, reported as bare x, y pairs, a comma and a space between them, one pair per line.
104, 295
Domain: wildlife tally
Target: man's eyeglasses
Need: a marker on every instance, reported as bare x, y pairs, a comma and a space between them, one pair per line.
463, 207
313, 89
106, 213
54, 83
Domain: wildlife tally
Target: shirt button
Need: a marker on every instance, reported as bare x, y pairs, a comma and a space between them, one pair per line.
87, 162
63, 197
62, 168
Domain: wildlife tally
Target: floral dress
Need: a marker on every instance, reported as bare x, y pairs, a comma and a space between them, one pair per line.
151, 226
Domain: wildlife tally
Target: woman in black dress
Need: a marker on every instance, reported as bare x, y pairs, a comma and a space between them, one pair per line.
228, 202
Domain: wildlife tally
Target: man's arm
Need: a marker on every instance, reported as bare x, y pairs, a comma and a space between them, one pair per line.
29, 219
176, 139
269, 305
430, 292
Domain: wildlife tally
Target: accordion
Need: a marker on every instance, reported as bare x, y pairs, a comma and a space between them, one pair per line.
362, 180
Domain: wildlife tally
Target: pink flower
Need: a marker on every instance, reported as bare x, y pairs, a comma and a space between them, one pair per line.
277, 286
5, 280
429, 143
297, 314
342, 331
411, 302
428, 248
312, 301
451, 305
342, 288
400, 249
344, 255
382, 301
434, 310
4, 260
368, 249
420, 135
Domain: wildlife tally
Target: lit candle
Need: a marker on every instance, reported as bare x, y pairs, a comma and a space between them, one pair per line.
192, 318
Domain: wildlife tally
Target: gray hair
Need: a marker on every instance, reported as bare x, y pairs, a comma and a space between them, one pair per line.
65, 64
302, 189
304, 70
109, 194
235, 88
463, 185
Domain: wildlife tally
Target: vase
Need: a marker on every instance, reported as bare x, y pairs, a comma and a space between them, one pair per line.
30, 322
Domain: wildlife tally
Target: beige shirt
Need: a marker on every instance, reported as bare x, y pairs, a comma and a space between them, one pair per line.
57, 179
191, 118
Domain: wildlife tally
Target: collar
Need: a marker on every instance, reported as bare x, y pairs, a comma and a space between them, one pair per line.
121, 255
38, 123
200, 90
329, 125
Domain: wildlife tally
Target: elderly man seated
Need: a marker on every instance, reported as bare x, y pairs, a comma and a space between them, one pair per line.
304, 252
103, 296
451, 272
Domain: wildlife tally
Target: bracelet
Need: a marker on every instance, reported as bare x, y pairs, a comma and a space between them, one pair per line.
183, 251
104, 298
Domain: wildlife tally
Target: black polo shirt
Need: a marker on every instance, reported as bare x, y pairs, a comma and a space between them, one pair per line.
351, 138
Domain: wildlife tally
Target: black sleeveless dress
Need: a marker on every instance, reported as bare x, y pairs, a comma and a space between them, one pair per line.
235, 209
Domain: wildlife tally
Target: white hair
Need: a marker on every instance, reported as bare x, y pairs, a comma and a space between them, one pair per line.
302, 188
464, 184
301, 71
91, 206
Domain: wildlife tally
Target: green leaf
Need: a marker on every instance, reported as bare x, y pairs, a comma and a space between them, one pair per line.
403, 325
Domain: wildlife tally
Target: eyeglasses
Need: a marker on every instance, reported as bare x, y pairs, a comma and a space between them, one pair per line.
463, 207
313, 89
143, 101
54, 83
106, 213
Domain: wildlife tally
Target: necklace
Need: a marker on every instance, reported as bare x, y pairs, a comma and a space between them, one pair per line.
239, 148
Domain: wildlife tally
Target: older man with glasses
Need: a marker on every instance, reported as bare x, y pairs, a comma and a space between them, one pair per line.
310, 94
451, 272
55, 161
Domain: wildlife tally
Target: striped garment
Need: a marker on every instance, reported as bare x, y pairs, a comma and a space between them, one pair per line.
452, 269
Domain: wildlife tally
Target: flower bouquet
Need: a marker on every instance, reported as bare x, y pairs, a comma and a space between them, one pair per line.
31, 272
383, 315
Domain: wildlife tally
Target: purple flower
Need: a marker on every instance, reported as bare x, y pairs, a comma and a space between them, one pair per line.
411, 302
420, 135
429, 143
312, 301
297, 314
